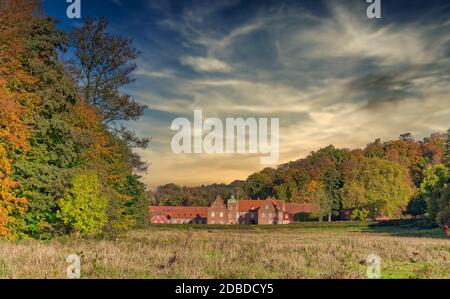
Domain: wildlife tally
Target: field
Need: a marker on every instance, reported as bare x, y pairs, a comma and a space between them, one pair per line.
307, 250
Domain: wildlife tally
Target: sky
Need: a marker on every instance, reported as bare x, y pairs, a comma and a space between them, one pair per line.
327, 71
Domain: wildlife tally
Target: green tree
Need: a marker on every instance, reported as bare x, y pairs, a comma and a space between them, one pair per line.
260, 185
84, 207
447, 149
434, 189
332, 181
380, 186
417, 206
137, 206
326, 206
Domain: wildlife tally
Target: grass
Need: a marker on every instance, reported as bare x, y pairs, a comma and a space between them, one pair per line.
306, 250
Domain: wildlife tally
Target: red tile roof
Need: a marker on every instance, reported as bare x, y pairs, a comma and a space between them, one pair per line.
179, 212
295, 208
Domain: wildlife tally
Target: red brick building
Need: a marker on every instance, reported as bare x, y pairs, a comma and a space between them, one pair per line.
268, 211
178, 215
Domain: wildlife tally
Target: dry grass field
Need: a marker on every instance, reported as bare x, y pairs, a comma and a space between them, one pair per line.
304, 251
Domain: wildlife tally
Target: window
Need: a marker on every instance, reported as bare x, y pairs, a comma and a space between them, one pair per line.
213, 214
267, 207
252, 215
270, 215
263, 215
221, 214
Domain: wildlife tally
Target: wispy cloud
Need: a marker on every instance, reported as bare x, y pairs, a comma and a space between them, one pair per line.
206, 64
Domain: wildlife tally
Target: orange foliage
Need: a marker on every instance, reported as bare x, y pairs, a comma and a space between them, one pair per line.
16, 21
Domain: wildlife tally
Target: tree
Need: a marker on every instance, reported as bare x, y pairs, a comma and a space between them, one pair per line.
259, 185
375, 149
417, 206
137, 207
326, 205
332, 181
406, 137
105, 62
447, 149
380, 186
434, 189
84, 206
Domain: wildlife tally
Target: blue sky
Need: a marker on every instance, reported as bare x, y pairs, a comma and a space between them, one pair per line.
329, 73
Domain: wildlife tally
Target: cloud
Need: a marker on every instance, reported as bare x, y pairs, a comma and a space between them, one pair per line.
206, 64
154, 74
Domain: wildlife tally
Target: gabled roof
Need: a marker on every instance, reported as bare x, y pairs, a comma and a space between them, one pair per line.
246, 205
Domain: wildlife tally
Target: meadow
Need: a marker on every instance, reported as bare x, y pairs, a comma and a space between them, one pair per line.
306, 250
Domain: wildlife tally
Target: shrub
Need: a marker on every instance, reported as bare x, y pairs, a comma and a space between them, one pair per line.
84, 207
359, 215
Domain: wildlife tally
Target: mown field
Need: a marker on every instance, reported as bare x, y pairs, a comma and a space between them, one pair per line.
307, 250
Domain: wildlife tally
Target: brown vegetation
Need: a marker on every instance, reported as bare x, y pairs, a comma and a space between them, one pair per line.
253, 252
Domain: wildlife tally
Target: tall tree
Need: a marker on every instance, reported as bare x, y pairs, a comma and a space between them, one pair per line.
104, 63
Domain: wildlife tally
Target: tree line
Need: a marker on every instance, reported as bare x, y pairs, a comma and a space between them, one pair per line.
66, 165
393, 179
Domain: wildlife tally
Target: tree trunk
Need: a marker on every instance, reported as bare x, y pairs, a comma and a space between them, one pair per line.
329, 217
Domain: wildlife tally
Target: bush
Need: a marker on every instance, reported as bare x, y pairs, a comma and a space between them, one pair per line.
84, 207
359, 215
305, 217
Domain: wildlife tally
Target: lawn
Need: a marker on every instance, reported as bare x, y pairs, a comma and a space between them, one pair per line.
306, 250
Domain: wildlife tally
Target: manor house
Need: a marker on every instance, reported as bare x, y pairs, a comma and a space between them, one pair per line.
268, 211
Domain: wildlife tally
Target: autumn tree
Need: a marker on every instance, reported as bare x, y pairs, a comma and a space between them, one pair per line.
49, 135
104, 63
16, 105
380, 186
447, 148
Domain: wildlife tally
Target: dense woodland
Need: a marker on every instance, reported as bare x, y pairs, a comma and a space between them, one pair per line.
59, 144
394, 179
